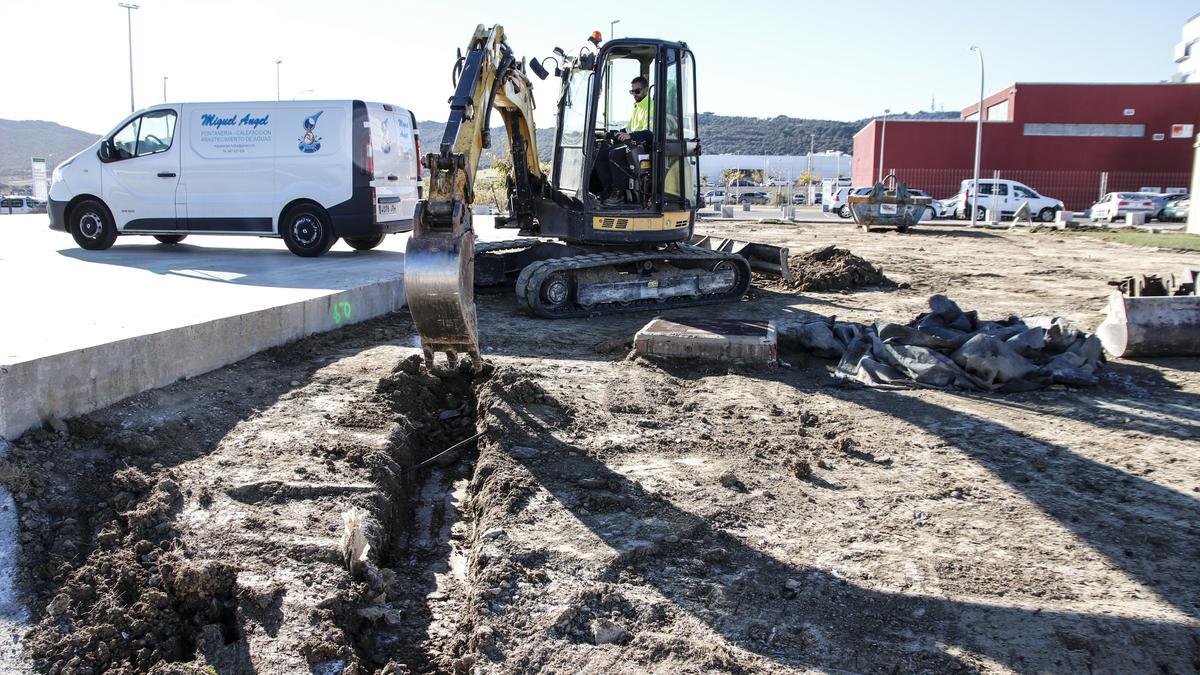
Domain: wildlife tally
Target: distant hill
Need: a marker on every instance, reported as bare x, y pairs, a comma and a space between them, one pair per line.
22, 139
722, 134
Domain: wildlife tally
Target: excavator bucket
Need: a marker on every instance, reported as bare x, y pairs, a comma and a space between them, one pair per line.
1151, 325
439, 281
765, 258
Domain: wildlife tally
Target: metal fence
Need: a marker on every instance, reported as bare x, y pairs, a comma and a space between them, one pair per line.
1077, 189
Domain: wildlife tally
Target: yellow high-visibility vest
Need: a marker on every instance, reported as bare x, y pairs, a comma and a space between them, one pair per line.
643, 110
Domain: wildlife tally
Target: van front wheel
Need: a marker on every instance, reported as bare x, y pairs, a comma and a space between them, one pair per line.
306, 231
364, 243
92, 226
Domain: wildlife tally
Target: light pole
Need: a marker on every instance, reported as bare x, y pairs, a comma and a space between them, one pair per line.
883, 142
129, 22
611, 28
277, 62
978, 139
164, 88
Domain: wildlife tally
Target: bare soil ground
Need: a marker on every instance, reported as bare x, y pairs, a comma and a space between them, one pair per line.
623, 515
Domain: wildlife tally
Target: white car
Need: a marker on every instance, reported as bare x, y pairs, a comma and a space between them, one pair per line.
838, 204
714, 197
1114, 205
1003, 197
307, 171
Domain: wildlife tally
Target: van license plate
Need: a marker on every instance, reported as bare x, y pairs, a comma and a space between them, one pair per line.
887, 209
387, 209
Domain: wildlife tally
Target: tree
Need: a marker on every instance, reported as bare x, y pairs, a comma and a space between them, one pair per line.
730, 175
807, 178
502, 164
757, 176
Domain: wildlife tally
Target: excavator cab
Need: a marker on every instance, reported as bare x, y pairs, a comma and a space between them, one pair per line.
657, 178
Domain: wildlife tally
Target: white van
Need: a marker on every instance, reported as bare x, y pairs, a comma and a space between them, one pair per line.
1004, 197
21, 204
307, 171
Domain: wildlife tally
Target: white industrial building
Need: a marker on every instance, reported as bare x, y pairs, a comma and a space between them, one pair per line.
1188, 60
781, 167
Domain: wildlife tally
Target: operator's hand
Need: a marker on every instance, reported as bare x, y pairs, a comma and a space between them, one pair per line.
622, 136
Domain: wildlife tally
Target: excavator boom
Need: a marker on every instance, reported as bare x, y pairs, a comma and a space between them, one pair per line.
439, 259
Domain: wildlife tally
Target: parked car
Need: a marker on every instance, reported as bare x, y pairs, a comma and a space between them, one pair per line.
714, 197
1114, 205
1004, 197
946, 208
799, 198
1161, 201
21, 204
744, 182
307, 171
754, 198
817, 197
1178, 209
839, 206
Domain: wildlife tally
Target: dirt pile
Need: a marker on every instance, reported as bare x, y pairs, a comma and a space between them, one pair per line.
832, 269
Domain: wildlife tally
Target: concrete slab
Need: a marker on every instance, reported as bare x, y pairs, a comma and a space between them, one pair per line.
750, 342
88, 328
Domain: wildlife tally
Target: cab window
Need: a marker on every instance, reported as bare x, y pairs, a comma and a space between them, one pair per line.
156, 131
147, 134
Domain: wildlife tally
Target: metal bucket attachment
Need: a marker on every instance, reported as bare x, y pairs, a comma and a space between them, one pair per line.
439, 282
1151, 325
763, 258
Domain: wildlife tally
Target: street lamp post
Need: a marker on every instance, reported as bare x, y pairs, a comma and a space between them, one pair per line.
978, 140
883, 142
129, 23
612, 28
277, 62
164, 88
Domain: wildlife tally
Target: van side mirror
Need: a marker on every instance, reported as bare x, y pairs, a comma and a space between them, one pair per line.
106, 150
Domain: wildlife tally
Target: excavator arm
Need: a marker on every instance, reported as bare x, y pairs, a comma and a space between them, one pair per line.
439, 259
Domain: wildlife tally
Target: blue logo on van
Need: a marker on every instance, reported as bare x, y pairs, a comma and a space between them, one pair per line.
386, 129
311, 142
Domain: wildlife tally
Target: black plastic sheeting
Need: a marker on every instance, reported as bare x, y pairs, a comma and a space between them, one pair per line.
948, 348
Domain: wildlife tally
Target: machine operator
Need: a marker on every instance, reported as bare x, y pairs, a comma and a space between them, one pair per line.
613, 173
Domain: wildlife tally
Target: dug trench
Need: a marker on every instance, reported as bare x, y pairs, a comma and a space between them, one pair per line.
295, 512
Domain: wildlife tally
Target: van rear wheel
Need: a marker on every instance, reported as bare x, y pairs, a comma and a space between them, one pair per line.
91, 226
170, 238
306, 231
364, 243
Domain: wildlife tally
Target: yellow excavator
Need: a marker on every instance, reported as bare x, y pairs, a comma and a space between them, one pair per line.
579, 255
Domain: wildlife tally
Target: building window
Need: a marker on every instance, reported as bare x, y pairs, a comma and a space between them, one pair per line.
998, 112
1107, 130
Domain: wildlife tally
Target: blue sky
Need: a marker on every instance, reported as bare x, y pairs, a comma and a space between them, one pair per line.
834, 60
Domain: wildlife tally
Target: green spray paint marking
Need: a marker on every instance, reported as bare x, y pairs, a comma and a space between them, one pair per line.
341, 312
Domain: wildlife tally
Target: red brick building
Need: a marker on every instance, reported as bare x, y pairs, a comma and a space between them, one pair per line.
1069, 141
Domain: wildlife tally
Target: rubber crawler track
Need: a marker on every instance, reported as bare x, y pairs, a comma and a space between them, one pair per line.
529, 282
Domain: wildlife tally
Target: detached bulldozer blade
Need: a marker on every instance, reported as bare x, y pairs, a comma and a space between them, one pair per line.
1151, 325
763, 258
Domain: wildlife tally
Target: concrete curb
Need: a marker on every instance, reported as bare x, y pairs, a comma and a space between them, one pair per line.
79, 381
